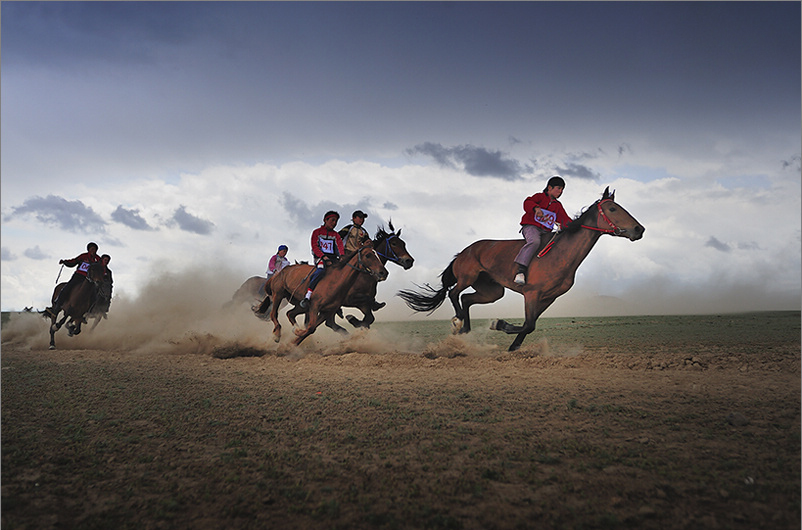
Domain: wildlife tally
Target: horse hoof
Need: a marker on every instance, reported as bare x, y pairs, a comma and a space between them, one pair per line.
276, 338
52, 347
494, 324
456, 325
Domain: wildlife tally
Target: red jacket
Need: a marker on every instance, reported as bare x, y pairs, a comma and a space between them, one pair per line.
83, 261
544, 202
325, 241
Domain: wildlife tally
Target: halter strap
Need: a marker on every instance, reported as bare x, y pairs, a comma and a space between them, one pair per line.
613, 228
394, 257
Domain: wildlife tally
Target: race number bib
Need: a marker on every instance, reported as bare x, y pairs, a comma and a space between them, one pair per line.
84, 266
326, 245
548, 220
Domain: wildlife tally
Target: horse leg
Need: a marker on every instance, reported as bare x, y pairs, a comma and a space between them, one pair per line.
534, 307
313, 320
292, 314
98, 318
486, 290
274, 317
55, 326
367, 319
331, 323
459, 313
53, 330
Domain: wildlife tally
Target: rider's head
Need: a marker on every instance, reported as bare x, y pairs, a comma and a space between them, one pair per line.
92, 247
327, 219
105, 258
554, 182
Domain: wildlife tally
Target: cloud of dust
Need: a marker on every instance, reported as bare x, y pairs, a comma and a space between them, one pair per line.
183, 313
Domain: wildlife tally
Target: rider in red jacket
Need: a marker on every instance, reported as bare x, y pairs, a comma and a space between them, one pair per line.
327, 246
541, 212
83, 262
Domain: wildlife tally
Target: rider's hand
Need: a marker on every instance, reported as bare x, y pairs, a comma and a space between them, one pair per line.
538, 213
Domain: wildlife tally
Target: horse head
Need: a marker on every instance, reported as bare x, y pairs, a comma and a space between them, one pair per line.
95, 273
615, 220
368, 261
390, 247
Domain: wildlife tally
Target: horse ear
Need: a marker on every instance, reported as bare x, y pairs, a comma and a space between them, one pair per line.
607, 194
391, 226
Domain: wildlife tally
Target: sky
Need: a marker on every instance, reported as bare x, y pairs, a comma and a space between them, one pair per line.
186, 137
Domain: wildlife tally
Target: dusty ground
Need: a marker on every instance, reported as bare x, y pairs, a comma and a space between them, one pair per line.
595, 424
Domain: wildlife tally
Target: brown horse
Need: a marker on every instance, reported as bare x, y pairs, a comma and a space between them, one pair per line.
78, 303
488, 266
292, 282
390, 247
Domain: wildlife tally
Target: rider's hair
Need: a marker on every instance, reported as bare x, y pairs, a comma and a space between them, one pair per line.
329, 214
104, 256
554, 181
92, 244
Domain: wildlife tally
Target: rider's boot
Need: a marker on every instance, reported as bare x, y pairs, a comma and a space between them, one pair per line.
378, 305
520, 277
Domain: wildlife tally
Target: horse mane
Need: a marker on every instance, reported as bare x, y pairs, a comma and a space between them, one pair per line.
382, 234
574, 226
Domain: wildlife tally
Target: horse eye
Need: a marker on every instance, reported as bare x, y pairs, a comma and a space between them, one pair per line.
612, 208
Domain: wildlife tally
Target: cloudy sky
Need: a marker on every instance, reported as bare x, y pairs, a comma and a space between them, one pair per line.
185, 136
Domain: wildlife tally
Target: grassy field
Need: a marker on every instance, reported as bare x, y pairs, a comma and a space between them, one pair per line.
680, 422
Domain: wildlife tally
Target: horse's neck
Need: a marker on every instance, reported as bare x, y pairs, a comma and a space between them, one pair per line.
577, 246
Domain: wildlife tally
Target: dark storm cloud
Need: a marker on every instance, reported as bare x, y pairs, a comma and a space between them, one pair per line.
191, 223
73, 216
36, 253
6, 254
476, 161
130, 218
716, 244
579, 171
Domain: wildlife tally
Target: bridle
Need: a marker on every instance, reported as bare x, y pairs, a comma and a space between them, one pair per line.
360, 266
613, 228
394, 257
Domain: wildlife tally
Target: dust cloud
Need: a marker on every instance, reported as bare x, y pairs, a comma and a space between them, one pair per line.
184, 313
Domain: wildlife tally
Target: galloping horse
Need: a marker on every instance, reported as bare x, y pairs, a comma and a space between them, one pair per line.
291, 283
253, 290
390, 247
488, 266
78, 303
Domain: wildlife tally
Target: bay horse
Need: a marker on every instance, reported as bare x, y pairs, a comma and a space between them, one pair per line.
390, 247
292, 282
488, 266
78, 303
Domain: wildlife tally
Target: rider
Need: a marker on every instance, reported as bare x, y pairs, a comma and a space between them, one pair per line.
354, 235
103, 301
278, 261
83, 262
542, 211
327, 247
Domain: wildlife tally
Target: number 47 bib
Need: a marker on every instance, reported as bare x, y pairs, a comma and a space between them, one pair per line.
548, 220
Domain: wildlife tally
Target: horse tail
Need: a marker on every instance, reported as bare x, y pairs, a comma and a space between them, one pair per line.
432, 298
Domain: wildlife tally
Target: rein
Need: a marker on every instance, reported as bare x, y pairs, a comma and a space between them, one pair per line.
361, 267
612, 230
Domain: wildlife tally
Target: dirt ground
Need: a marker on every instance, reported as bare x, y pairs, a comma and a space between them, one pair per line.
654, 429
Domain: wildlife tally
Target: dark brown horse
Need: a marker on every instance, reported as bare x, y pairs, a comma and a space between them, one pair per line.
292, 282
78, 303
488, 266
390, 247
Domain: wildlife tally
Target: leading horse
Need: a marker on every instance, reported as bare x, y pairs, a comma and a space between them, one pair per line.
291, 283
488, 266
78, 303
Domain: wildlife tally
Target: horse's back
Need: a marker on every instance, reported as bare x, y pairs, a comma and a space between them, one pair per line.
489, 254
